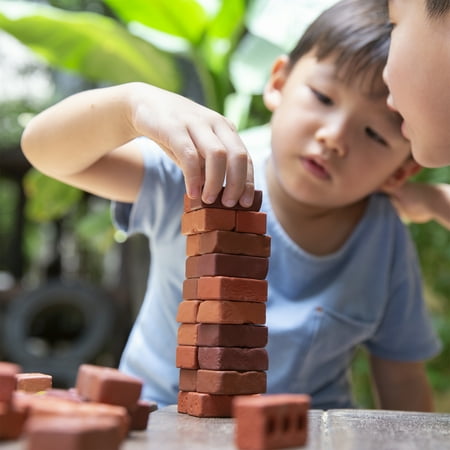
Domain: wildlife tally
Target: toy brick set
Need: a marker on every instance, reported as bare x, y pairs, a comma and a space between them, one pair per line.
97, 414
220, 354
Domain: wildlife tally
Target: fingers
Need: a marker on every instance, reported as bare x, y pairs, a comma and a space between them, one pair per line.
226, 163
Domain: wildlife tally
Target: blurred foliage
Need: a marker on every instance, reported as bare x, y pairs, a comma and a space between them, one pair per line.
216, 51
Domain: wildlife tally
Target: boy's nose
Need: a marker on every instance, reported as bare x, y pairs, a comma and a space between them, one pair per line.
332, 138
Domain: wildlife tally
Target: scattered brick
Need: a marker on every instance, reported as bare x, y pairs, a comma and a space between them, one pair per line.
271, 421
33, 382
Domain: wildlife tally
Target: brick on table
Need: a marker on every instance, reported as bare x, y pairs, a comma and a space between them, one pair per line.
232, 288
72, 433
230, 382
221, 264
42, 405
251, 222
232, 358
230, 312
231, 242
8, 373
182, 402
226, 335
271, 421
187, 380
188, 311
207, 405
139, 416
207, 219
12, 420
191, 204
186, 357
33, 382
108, 385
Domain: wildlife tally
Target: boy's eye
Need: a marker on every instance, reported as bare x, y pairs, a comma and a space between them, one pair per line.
375, 136
322, 97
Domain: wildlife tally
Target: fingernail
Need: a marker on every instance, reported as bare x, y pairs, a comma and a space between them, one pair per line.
228, 203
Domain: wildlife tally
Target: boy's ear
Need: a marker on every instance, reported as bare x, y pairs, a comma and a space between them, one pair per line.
272, 91
406, 170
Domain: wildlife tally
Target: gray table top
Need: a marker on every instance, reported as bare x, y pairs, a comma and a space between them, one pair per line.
330, 430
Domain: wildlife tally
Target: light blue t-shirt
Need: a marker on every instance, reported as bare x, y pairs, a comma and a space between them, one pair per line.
319, 308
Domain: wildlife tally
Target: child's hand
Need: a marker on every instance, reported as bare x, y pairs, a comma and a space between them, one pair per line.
204, 144
414, 201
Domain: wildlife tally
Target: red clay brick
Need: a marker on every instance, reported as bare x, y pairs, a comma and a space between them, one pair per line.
216, 311
228, 382
229, 242
190, 291
73, 433
224, 335
186, 357
207, 219
182, 404
231, 288
232, 358
8, 373
188, 311
33, 382
140, 415
188, 380
188, 334
207, 405
251, 222
216, 264
193, 204
107, 385
12, 420
271, 421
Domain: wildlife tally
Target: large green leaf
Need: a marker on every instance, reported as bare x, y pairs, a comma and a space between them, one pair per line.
223, 32
183, 18
95, 46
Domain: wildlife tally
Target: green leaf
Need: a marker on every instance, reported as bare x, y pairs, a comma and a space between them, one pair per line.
95, 46
223, 33
96, 230
183, 18
48, 199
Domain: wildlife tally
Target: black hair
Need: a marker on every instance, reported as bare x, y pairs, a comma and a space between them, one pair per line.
355, 32
437, 8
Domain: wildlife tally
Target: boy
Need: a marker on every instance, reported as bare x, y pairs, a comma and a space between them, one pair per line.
337, 274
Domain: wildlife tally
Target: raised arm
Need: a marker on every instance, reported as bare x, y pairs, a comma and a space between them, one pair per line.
87, 140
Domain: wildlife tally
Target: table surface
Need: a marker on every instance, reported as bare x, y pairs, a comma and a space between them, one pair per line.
331, 430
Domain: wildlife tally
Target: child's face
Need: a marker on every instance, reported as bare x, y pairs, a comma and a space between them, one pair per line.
332, 144
418, 74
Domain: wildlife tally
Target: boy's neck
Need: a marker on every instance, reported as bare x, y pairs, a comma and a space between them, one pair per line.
319, 231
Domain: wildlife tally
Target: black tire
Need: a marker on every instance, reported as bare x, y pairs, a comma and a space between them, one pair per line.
62, 323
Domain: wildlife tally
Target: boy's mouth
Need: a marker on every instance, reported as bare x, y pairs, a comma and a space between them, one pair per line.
314, 167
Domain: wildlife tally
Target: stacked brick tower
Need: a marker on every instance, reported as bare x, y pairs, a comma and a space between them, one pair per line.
221, 337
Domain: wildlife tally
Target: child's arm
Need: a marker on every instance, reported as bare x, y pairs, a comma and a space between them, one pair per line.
401, 385
87, 141
420, 202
